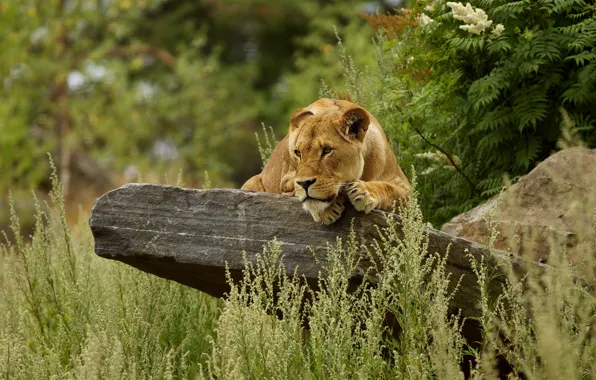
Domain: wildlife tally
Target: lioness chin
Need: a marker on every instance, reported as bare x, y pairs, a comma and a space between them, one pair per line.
335, 152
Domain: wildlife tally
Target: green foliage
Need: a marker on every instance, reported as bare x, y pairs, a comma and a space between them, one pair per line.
467, 107
346, 336
67, 313
268, 146
319, 59
489, 98
542, 322
159, 86
80, 79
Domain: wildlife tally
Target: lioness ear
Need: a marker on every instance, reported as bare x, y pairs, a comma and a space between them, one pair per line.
355, 123
300, 114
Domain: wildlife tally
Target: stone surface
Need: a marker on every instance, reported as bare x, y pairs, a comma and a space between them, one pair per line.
189, 235
551, 207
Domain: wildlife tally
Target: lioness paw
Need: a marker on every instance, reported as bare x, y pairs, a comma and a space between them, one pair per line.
360, 196
330, 214
287, 184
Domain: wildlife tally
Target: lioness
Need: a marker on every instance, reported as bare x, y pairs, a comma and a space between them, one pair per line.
334, 150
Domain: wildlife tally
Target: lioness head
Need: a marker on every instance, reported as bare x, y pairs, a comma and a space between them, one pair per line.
326, 144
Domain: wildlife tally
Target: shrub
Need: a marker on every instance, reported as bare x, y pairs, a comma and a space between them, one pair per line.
122, 82
542, 322
67, 313
269, 144
480, 88
347, 335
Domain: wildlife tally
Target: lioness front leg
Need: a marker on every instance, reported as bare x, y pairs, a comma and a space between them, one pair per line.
330, 214
366, 196
255, 183
287, 183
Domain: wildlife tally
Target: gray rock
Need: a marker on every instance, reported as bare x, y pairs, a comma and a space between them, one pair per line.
552, 207
189, 235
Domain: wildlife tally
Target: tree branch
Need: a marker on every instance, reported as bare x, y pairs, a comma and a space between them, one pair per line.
451, 160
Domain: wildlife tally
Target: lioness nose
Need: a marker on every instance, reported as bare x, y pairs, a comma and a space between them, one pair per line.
306, 182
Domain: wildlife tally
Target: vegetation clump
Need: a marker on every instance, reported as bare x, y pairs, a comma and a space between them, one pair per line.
468, 93
487, 85
67, 313
541, 323
347, 334
70, 314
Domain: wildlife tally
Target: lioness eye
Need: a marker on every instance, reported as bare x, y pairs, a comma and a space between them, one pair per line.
327, 150
297, 152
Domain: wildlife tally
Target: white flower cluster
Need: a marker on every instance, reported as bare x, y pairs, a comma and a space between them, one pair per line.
424, 19
430, 156
476, 19
430, 7
440, 158
497, 30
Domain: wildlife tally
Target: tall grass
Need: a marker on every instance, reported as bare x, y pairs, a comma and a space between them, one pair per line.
66, 313
269, 143
348, 335
542, 323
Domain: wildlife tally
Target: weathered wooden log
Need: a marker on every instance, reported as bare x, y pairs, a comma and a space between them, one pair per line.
189, 235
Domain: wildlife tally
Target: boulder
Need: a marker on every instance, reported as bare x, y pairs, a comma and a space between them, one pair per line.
189, 236
552, 207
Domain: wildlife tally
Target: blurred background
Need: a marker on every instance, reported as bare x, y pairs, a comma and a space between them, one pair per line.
143, 90
123, 91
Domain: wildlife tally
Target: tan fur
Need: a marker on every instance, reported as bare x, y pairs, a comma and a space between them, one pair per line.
360, 167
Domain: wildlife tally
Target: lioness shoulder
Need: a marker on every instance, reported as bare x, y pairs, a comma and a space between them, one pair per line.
335, 151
